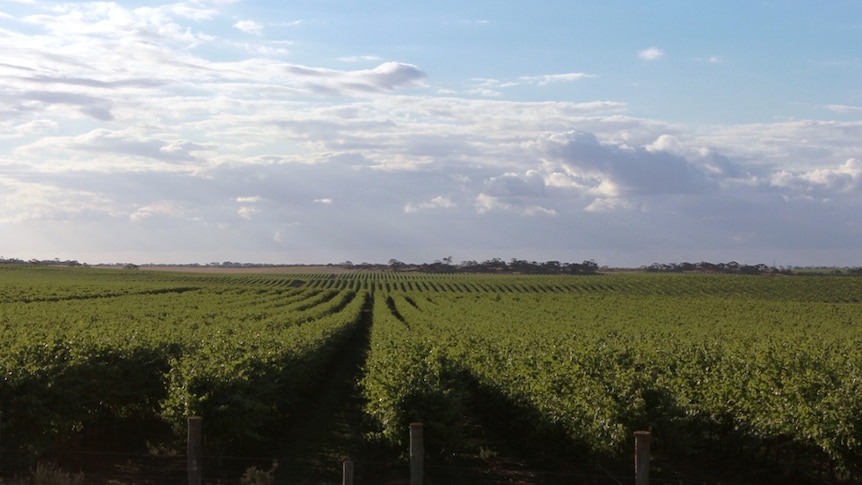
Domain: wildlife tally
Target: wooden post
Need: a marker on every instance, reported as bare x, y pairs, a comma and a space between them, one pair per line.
417, 454
347, 477
642, 439
195, 451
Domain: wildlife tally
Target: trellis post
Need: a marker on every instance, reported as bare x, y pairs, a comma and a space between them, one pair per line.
195, 450
417, 454
347, 473
642, 439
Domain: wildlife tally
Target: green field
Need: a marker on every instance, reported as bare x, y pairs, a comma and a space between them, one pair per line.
761, 371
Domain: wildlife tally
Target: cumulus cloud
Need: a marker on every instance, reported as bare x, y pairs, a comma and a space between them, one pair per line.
636, 170
843, 178
531, 184
651, 54
666, 143
126, 116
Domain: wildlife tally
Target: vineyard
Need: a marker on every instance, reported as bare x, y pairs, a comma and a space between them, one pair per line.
764, 372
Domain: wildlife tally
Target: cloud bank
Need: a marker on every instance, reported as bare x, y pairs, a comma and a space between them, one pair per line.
123, 138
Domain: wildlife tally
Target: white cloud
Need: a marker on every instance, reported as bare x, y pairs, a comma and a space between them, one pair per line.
843, 178
651, 54
247, 212
638, 171
439, 202
263, 50
387, 76
249, 27
666, 143
143, 122
166, 208
121, 143
23, 201
531, 184
843, 108
400, 163
610, 204
486, 203
366, 58
552, 78
36, 127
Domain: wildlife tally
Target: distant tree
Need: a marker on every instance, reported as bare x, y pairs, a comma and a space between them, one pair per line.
590, 267
551, 267
686, 266
493, 265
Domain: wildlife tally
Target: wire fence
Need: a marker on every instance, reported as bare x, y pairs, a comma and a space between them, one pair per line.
117, 468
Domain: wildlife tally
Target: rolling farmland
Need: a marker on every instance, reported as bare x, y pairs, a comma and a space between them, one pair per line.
760, 371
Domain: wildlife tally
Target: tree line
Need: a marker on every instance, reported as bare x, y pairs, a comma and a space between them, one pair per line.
736, 268
490, 266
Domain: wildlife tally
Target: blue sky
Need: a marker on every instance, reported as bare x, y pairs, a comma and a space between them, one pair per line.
620, 131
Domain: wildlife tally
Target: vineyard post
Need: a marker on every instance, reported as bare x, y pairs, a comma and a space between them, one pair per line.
417, 454
347, 477
642, 439
195, 450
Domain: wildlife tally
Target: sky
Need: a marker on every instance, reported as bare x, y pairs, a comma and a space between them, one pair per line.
623, 132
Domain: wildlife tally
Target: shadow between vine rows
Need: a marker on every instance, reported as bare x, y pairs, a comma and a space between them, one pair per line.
331, 426
508, 442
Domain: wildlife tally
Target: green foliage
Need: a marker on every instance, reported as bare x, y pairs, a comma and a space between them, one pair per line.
50, 474
706, 362
239, 351
703, 361
256, 476
408, 379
